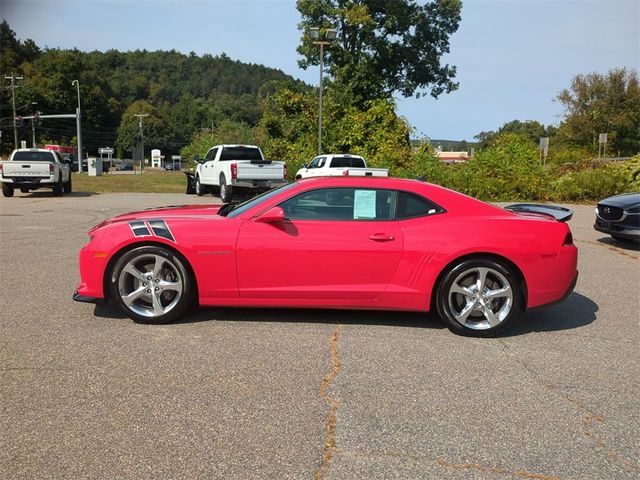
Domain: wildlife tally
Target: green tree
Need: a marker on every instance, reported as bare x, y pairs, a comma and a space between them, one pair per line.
154, 131
288, 129
383, 46
597, 104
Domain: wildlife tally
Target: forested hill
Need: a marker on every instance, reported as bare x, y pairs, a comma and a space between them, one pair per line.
183, 92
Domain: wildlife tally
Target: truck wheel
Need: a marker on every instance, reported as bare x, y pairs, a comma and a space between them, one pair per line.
7, 190
67, 186
226, 194
199, 187
58, 187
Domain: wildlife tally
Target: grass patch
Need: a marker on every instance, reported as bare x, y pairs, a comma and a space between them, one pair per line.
148, 182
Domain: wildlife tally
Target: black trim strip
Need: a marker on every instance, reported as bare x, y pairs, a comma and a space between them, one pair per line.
160, 229
139, 228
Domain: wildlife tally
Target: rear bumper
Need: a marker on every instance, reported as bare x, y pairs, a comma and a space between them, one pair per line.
31, 182
258, 184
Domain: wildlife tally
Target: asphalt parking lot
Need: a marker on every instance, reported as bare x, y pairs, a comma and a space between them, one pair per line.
87, 393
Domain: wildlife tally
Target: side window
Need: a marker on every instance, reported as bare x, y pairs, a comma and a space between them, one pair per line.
211, 155
316, 162
321, 162
411, 206
331, 204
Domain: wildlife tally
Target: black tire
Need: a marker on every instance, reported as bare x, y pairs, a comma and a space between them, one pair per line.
226, 192
484, 312
173, 302
24, 189
199, 187
67, 185
58, 187
7, 190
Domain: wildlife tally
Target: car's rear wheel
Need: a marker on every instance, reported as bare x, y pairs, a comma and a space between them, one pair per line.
7, 190
226, 193
68, 186
58, 187
479, 297
152, 284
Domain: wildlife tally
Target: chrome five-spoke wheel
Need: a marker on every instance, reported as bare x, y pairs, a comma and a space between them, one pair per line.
151, 284
478, 297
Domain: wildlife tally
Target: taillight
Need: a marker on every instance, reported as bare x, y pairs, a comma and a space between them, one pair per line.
285, 172
52, 169
1, 170
568, 239
234, 171
345, 172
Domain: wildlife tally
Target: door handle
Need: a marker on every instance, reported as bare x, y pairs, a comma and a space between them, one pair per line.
381, 237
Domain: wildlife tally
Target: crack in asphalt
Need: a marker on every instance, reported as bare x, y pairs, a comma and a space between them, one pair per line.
494, 470
329, 448
589, 420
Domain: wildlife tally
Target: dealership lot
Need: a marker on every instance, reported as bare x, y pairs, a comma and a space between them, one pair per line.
85, 392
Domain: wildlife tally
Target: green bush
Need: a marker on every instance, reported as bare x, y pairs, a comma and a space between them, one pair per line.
597, 183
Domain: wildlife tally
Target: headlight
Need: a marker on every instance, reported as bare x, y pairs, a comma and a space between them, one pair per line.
633, 210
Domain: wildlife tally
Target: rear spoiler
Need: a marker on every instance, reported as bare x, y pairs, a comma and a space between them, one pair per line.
561, 214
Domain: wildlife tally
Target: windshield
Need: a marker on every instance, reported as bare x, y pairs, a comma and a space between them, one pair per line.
240, 153
33, 157
244, 206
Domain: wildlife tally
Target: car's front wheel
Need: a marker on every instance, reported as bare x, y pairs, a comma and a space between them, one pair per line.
479, 297
151, 284
199, 187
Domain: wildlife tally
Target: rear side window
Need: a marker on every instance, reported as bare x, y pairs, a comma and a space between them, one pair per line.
410, 205
34, 157
347, 162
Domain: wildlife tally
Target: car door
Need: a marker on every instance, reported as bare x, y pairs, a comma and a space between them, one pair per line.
208, 173
336, 243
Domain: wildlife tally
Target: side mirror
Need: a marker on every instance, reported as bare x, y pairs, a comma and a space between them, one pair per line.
197, 159
273, 215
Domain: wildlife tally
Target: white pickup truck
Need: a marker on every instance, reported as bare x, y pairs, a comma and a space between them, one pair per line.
332, 165
237, 168
31, 169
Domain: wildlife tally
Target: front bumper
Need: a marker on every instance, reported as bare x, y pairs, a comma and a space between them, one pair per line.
83, 298
617, 229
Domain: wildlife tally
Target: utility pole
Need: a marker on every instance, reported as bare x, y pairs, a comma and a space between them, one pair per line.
33, 123
322, 38
140, 117
78, 125
13, 78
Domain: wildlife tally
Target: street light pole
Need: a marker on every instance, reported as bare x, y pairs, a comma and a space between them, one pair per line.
322, 39
79, 125
13, 78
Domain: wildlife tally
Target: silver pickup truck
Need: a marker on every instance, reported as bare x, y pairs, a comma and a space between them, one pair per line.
31, 169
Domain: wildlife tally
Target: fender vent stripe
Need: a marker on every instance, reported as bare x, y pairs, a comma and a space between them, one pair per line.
160, 229
139, 228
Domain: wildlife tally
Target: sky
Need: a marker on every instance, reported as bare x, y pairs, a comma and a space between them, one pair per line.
513, 56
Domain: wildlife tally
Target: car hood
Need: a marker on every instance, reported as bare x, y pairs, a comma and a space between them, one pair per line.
624, 201
166, 213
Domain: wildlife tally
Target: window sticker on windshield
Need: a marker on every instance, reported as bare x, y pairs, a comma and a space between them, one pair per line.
364, 204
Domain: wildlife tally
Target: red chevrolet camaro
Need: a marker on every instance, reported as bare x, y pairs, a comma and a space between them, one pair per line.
341, 242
